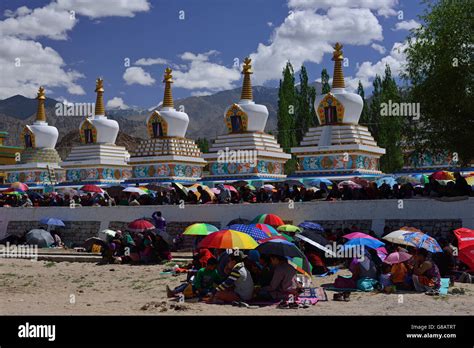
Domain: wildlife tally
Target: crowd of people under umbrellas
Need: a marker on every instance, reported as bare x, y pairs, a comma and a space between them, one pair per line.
240, 192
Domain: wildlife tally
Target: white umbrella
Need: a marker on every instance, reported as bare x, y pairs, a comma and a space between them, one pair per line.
268, 187
107, 232
398, 237
134, 190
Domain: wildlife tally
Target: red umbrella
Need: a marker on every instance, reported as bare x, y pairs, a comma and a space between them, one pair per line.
140, 225
91, 188
20, 186
442, 175
465, 238
231, 188
269, 219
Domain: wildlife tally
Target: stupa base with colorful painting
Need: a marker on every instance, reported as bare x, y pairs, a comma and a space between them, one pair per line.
246, 152
97, 159
167, 155
339, 147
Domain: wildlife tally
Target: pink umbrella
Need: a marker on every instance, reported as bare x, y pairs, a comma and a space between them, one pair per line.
382, 253
397, 257
231, 188
358, 235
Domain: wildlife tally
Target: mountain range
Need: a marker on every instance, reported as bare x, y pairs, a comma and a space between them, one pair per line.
205, 114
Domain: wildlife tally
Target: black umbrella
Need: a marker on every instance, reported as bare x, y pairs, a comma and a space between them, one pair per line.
91, 241
315, 236
283, 248
238, 221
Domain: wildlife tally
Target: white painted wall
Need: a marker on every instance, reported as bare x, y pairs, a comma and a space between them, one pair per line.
376, 210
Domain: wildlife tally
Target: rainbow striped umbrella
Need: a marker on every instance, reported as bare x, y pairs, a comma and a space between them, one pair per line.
269, 230
228, 239
269, 219
200, 229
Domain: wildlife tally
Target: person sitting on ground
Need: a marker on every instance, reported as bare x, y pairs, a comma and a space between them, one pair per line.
461, 187
224, 195
399, 274
203, 283
283, 283
385, 279
238, 286
315, 258
360, 267
426, 277
266, 271
205, 196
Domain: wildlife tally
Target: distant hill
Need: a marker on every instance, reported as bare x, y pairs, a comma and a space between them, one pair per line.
205, 113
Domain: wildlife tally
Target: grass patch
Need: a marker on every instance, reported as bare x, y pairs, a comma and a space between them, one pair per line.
50, 264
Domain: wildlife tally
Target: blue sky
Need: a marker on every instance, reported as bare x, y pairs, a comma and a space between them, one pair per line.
67, 53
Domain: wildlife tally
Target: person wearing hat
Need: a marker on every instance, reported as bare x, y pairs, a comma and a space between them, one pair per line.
238, 286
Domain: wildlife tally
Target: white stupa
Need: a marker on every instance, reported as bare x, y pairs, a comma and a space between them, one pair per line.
97, 159
167, 155
246, 152
38, 163
339, 145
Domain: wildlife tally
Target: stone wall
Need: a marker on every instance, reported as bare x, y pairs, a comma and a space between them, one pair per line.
361, 225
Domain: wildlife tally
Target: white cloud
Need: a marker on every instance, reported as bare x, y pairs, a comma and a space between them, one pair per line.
104, 8
383, 7
205, 75
270, 24
116, 103
200, 93
20, 11
305, 36
151, 61
379, 48
38, 65
136, 75
407, 25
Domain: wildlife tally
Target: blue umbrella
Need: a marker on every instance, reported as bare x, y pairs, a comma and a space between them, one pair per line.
52, 222
389, 180
317, 182
312, 226
370, 243
421, 240
252, 231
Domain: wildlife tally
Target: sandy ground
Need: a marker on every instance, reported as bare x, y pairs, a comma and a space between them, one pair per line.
65, 288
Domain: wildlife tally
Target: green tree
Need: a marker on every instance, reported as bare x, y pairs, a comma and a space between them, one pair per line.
440, 71
390, 127
304, 118
365, 116
203, 144
326, 88
374, 107
287, 103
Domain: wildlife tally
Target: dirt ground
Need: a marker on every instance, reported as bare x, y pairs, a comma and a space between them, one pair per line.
66, 288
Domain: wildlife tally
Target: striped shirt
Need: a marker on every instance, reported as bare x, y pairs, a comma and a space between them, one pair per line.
241, 280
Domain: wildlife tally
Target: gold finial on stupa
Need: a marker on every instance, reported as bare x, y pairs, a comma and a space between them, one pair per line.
41, 114
168, 97
338, 76
99, 103
247, 85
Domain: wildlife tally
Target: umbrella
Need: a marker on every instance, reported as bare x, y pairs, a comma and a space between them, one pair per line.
34, 194
140, 225
381, 253
182, 191
135, 190
106, 234
354, 235
397, 257
349, 183
251, 187
39, 237
282, 237
366, 242
194, 188
442, 175
52, 222
465, 238
470, 180
397, 236
215, 190
289, 228
89, 243
268, 187
312, 226
421, 240
405, 179
269, 230
200, 230
299, 263
389, 180
317, 182
240, 183
293, 182
228, 239
287, 237
285, 249
269, 219
315, 239
238, 221
251, 230
13, 192
91, 188
231, 188
421, 178
20, 186
361, 182
165, 235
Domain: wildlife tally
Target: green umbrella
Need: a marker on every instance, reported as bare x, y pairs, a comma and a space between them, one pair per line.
300, 265
287, 237
288, 228
200, 230
251, 187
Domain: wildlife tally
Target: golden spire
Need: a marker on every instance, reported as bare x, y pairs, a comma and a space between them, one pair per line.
247, 85
168, 97
338, 76
41, 114
99, 103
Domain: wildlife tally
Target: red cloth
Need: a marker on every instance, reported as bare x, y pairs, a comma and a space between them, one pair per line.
314, 259
204, 256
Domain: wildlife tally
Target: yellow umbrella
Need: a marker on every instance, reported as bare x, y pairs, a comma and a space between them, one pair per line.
194, 188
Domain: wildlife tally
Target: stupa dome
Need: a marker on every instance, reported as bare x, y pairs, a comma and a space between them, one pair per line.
167, 121
338, 106
246, 116
40, 134
99, 129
